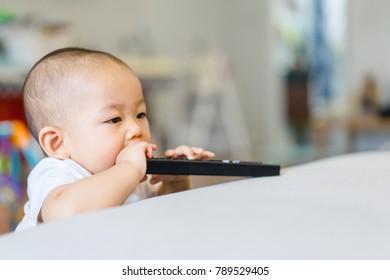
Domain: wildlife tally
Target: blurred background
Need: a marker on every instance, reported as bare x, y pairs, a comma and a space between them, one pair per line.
286, 81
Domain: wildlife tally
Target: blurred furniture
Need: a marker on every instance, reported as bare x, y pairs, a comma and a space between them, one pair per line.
11, 107
332, 209
11, 188
18, 154
11, 102
297, 101
368, 124
362, 132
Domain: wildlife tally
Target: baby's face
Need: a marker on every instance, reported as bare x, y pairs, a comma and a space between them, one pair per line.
109, 113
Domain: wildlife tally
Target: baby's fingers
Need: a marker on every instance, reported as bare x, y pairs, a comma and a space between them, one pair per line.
179, 152
199, 153
205, 154
149, 150
189, 152
154, 179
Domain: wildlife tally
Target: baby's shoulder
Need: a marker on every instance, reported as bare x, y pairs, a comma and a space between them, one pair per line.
67, 167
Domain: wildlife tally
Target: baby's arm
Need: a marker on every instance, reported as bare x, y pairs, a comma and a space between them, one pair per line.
108, 188
171, 183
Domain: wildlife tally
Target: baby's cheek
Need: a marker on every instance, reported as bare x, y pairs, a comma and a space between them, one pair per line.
102, 162
112, 154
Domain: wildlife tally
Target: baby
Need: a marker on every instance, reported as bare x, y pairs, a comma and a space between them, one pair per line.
86, 109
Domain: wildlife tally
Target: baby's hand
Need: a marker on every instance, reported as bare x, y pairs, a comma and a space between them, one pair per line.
137, 154
173, 183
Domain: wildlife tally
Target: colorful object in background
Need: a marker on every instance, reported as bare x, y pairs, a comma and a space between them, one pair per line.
6, 15
22, 140
15, 140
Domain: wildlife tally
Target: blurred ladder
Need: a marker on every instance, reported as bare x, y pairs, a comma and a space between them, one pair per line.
217, 101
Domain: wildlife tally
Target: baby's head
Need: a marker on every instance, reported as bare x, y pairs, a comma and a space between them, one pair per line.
50, 87
77, 99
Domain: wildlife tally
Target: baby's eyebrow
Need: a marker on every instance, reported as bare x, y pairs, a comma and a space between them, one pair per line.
119, 106
111, 107
141, 101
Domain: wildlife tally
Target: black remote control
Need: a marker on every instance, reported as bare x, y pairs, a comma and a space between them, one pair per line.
211, 167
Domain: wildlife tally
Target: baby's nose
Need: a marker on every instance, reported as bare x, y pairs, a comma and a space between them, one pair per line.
133, 131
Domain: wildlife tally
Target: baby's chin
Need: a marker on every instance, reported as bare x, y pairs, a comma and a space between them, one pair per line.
97, 169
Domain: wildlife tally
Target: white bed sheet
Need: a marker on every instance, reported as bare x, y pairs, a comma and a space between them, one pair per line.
337, 208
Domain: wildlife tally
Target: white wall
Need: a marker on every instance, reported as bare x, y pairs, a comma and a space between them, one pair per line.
171, 24
177, 28
245, 32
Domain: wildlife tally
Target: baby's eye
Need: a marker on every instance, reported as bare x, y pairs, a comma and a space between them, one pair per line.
114, 120
142, 115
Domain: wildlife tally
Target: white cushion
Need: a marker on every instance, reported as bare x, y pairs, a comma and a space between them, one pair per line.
337, 208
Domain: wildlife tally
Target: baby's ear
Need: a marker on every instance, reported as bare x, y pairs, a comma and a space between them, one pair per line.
51, 139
